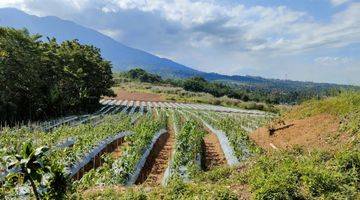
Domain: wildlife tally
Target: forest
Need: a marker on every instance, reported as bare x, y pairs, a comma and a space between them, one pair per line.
39, 79
268, 93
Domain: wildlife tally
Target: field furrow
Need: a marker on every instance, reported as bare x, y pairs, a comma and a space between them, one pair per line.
214, 155
158, 160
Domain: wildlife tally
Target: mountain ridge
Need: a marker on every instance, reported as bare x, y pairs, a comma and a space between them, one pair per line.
122, 57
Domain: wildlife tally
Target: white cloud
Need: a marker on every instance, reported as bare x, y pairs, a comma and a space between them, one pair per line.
9, 3
216, 35
186, 12
255, 28
338, 2
49, 7
332, 61
113, 33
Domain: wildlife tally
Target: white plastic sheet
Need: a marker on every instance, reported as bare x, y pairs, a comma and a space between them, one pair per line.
95, 151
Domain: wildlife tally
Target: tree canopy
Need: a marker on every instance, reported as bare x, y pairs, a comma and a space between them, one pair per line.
142, 76
40, 79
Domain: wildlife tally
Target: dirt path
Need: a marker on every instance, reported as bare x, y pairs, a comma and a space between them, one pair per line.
158, 160
214, 155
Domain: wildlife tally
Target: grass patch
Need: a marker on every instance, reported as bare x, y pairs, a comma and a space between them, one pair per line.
341, 105
318, 175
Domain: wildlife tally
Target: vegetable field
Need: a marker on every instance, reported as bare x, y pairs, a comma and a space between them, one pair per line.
128, 143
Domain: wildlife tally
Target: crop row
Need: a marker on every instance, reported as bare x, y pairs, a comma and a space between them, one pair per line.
73, 145
68, 144
173, 105
233, 127
188, 148
120, 169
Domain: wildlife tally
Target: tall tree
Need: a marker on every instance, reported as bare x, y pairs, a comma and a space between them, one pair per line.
42, 79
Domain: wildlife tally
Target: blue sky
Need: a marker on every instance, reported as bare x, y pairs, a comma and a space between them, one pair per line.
312, 40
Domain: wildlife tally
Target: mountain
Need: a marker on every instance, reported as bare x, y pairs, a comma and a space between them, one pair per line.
124, 58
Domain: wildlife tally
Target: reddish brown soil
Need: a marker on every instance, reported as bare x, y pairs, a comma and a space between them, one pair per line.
117, 152
321, 132
138, 96
214, 155
158, 160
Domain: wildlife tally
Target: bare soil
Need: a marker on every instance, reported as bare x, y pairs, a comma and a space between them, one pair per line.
214, 155
117, 152
158, 160
122, 94
321, 132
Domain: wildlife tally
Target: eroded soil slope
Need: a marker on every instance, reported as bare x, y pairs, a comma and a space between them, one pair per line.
320, 131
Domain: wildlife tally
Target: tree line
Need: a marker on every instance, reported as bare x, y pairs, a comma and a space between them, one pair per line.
42, 79
271, 94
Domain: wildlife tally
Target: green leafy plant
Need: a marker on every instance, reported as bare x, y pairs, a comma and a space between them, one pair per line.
28, 166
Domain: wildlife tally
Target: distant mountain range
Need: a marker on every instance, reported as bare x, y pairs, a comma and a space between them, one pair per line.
123, 57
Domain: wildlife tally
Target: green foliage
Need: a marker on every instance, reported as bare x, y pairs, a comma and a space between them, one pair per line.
117, 171
176, 190
40, 79
234, 126
345, 105
188, 147
32, 167
86, 137
340, 105
199, 84
290, 175
144, 131
217, 175
266, 91
351, 122
349, 163
248, 95
142, 76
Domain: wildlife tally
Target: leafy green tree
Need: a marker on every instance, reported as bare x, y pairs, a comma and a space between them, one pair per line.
84, 66
195, 84
20, 73
43, 79
143, 76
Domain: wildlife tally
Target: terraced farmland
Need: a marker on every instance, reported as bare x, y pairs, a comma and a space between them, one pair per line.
138, 143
